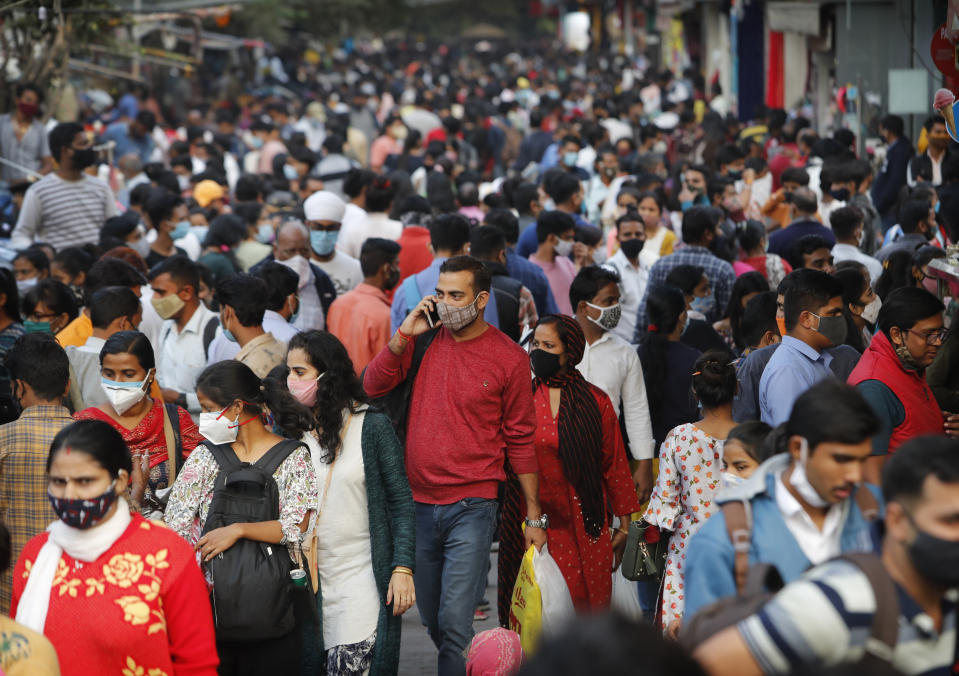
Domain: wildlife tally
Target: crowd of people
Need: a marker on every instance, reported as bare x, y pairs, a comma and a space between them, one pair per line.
554, 301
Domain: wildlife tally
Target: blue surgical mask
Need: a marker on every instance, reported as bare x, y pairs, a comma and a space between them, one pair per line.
569, 159
323, 241
256, 142
290, 172
264, 233
181, 230
937, 206
229, 336
703, 304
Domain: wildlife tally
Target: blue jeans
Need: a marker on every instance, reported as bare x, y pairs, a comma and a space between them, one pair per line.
452, 555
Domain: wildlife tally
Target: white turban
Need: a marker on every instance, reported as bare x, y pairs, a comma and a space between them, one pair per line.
324, 206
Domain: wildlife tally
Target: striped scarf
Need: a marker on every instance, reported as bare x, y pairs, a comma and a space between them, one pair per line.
580, 430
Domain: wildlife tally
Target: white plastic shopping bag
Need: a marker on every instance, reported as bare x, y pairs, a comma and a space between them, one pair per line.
625, 600
557, 602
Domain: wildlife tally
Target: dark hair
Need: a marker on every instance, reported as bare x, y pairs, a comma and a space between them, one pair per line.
55, 295
805, 246
893, 124
752, 435
896, 274
562, 187
35, 256
912, 214
750, 234
249, 212
340, 385
246, 295
38, 360
61, 137
697, 221
375, 253
506, 222
182, 271
76, 259
717, 186
751, 282
686, 278
486, 242
588, 282
553, 223
795, 175
130, 342
808, 291
844, 222
905, 307
714, 379
854, 284
8, 288
449, 232
98, 439
906, 470
140, 194
523, 195
831, 411
379, 195
280, 282
728, 154
116, 228
226, 232
111, 272
111, 302
248, 188
356, 180
482, 278
24, 87
161, 204
230, 380
664, 305
759, 316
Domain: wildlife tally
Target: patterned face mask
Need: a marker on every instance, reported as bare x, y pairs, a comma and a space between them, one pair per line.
456, 318
84, 514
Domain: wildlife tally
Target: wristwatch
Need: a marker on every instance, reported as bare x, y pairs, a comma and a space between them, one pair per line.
541, 522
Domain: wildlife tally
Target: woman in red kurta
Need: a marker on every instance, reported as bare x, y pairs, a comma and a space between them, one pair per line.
114, 593
582, 471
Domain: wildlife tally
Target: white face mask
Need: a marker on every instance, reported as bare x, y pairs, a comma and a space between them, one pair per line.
141, 246
730, 479
216, 428
871, 312
301, 267
564, 247
125, 395
608, 316
800, 481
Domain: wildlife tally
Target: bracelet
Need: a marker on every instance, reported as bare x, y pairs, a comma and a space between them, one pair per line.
403, 569
402, 335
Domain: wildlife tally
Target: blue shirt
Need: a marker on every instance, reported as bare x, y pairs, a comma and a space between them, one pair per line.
781, 241
119, 132
527, 244
423, 284
793, 369
533, 278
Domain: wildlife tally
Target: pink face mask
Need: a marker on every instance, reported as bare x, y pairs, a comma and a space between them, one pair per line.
304, 391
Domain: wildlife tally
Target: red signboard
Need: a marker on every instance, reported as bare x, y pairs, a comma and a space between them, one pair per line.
944, 53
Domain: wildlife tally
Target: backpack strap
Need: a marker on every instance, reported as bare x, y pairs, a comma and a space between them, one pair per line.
884, 633
175, 440
224, 455
274, 457
739, 527
867, 503
209, 331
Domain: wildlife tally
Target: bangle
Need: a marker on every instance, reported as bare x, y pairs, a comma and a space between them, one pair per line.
624, 532
403, 569
402, 335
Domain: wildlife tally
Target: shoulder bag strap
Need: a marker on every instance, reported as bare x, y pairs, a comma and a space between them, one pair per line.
76, 395
170, 444
171, 419
867, 503
884, 633
739, 528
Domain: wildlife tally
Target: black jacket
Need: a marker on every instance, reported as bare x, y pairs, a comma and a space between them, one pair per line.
892, 176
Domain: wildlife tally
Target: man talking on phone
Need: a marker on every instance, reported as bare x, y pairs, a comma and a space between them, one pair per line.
471, 408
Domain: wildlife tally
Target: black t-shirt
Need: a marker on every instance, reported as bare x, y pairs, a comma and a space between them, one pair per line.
153, 257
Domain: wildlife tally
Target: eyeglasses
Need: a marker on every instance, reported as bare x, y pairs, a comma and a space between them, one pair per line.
937, 337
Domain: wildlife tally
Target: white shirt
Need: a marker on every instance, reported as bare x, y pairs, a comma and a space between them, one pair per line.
817, 545
181, 357
85, 362
281, 329
151, 323
847, 252
632, 286
612, 365
344, 271
353, 217
351, 240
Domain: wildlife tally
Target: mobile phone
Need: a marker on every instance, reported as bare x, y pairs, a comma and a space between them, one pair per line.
433, 317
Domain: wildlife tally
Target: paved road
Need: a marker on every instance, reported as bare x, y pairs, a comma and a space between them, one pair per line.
417, 652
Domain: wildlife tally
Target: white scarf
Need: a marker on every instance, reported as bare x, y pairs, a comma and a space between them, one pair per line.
82, 545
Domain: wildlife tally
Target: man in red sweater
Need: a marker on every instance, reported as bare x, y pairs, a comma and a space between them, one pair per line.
471, 409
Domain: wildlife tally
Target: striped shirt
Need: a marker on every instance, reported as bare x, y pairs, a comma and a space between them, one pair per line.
825, 618
63, 213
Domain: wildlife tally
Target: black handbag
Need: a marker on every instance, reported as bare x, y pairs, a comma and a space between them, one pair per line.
645, 554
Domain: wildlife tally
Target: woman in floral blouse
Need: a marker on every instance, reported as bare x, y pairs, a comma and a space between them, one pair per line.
690, 466
235, 406
114, 593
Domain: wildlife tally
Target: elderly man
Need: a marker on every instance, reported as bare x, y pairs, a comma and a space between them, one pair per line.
316, 291
324, 216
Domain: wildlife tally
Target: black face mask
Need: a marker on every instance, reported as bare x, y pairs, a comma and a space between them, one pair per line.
545, 364
393, 279
935, 559
84, 158
842, 194
632, 247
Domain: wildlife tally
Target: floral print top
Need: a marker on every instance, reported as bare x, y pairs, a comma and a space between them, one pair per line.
192, 494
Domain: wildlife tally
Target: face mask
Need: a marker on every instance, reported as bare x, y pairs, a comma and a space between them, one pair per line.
799, 480
229, 335
28, 109
304, 391
931, 285
36, 327
181, 230
84, 514
295, 314
141, 246
842, 194
216, 428
632, 247
183, 182
324, 241
905, 356
256, 142
456, 318
935, 559
545, 364
734, 174
393, 279
563, 247
399, 132
290, 172
24, 285
833, 329
300, 266
608, 316
167, 306
936, 208
124, 396
781, 323
609, 172
660, 147
264, 233
730, 479
569, 159
703, 304
84, 158
871, 312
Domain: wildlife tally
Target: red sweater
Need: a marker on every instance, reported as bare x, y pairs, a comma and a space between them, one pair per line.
471, 407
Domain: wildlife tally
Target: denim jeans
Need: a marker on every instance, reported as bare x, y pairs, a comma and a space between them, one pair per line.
452, 555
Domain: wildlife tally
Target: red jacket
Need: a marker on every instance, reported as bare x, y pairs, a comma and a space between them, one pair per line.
880, 362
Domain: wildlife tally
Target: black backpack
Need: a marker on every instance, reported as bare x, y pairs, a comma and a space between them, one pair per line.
252, 591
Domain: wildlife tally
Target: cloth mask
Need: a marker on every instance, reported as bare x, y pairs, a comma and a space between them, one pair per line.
799, 480
323, 241
599, 255
781, 323
609, 172
167, 306
304, 391
545, 364
24, 285
937, 560
456, 318
84, 513
564, 247
842, 194
217, 429
833, 329
632, 247
36, 327
28, 109
734, 174
125, 395
181, 230
871, 312
301, 267
141, 246
84, 158
608, 316
703, 304
905, 357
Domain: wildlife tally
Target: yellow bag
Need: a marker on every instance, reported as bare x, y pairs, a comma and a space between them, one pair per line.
526, 608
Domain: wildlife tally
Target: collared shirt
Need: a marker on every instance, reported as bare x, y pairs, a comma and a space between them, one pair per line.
262, 354
63, 213
281, 329
909, 243
847, 252
533, 278
375, 224
28, 151
86, 391
24, 508
818, 545
825, 618
560, 272
182, 356
613, 365
793, 369
632, 288
119, 133
361, 320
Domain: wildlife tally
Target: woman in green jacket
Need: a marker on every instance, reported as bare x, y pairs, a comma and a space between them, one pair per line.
366, 527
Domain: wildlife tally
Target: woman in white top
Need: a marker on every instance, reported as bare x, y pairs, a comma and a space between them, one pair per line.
366, 525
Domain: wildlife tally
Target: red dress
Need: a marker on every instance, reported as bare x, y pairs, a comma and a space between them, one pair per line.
586, 562
140, 609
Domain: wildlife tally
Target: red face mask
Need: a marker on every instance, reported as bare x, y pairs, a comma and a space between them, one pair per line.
28, 109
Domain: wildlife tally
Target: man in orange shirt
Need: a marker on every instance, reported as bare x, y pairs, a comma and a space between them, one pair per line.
361, 318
